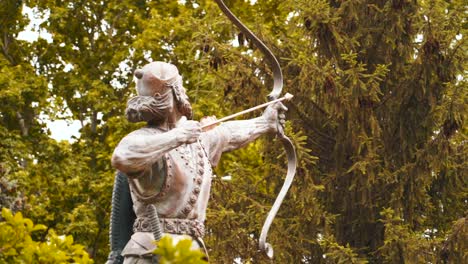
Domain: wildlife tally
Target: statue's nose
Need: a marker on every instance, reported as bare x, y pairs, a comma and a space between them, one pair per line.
138, 73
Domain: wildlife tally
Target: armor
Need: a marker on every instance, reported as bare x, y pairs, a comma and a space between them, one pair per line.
177, 186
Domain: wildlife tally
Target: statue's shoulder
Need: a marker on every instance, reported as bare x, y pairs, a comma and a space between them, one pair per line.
146, 131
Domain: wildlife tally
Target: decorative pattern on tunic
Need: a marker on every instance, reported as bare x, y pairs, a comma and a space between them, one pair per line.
185, 153
175, 226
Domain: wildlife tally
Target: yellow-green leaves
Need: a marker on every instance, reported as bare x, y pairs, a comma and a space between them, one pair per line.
17, 243
401, 244
336, 253
180, 253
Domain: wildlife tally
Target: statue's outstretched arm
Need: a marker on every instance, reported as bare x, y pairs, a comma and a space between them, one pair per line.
245, 131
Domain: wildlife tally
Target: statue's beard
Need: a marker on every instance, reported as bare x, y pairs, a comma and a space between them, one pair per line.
154, 109
149, 108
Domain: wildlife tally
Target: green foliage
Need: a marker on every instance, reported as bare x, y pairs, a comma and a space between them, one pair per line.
454, 248
17, 244
337, 253
378, 120
180, 253
9, 197
402, 245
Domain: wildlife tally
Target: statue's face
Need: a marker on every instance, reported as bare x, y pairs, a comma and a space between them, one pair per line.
153, 80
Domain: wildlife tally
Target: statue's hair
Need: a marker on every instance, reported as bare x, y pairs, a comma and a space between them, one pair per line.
183, 104
185, 108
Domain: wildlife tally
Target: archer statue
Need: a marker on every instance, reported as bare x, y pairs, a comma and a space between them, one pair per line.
165, 168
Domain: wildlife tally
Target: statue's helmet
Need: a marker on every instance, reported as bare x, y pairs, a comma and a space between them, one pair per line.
157, 78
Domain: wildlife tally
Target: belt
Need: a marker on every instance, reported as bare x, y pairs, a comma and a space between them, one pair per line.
176, 226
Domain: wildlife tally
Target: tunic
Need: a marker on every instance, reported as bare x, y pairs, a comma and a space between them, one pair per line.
178, 184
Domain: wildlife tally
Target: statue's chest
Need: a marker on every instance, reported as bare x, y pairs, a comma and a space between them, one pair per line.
176, 183
188, 163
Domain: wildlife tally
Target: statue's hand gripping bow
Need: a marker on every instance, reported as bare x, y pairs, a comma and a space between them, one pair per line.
287, 143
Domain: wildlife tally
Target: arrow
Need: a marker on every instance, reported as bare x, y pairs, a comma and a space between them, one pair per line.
286, 97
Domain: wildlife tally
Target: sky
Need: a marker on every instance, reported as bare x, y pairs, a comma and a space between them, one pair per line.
60, 129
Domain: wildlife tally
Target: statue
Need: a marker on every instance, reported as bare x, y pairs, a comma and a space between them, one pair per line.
166, 167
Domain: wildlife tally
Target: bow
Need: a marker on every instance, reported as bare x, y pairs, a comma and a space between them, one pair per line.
287, 143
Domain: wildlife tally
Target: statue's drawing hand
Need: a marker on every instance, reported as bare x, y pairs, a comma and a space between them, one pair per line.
275, 116
208, 120
188, 132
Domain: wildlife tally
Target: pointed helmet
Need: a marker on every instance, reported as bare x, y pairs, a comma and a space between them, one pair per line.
155, 78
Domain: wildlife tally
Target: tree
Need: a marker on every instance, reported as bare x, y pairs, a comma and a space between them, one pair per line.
377, 120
